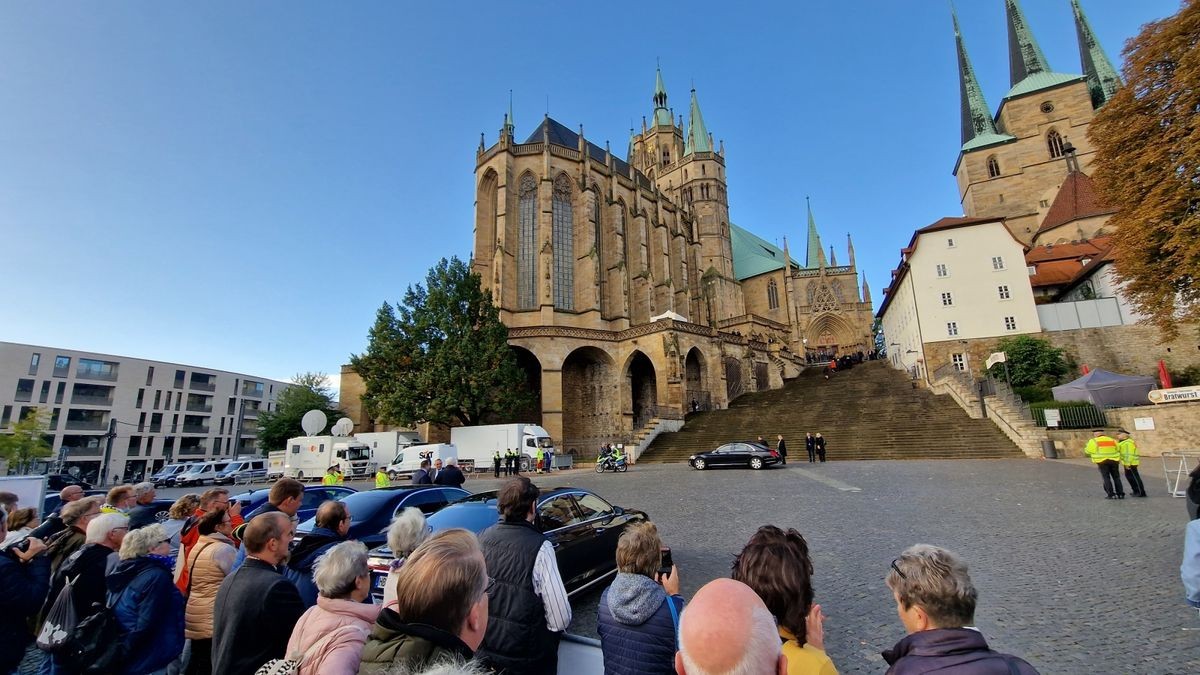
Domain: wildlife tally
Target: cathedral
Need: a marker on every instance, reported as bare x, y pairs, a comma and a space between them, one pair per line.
630, 296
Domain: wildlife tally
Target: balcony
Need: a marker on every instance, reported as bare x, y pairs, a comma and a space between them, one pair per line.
200, 408
86, 425
203, 385
92, 399
91, 369
195, 429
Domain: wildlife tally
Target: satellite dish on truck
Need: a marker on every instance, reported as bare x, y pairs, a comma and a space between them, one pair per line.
343, 427
313, 422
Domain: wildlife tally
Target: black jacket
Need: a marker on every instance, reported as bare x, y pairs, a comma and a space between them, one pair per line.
23, 586
142, 515
517, 639
421, 477
782, 448
451, 476
253, 617
810, 443
961, 651
90, 592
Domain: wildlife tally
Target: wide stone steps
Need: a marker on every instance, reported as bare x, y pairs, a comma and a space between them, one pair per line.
868, 412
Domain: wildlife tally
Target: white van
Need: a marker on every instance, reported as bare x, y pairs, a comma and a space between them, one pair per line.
199, 474
242, 471
409, 459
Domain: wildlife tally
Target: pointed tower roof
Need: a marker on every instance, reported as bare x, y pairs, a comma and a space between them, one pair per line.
509, 128
832, 257
978, 127
850, 248
1028, 70
698, 139
662, 114
866, 290
1076, 199
1102, 77
815, 257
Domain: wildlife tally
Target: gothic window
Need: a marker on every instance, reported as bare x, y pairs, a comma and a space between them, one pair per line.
993, 167
772, 295
824, 300
812, 289
564, 244
527, 242
836, 286
596, 215
666, 157
1055, 143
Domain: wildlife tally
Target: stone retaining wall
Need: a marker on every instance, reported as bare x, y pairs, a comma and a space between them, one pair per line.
1176, 428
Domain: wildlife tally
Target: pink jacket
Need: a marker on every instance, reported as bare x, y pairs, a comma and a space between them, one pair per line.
341, 655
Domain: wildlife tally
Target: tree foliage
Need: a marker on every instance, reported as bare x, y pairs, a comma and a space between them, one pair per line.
1147, 140
1031, 362
441, 355
26, 440
308, 391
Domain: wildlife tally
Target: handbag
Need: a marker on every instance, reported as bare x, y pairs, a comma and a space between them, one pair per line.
60, 621
292, 666
94, 647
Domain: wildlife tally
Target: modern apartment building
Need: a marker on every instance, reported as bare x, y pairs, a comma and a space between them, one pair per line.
121, 416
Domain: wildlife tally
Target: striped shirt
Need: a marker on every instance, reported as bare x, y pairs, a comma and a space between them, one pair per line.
548, 585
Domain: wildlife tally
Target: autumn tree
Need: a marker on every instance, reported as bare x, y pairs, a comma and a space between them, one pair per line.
308, 391
25, 440
441, 355
1147, 140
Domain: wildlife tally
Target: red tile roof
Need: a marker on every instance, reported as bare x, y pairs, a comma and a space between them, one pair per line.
1059, 264
1077, 198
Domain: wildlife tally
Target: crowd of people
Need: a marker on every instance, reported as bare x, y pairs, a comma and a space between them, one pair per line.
813, 444
211, 591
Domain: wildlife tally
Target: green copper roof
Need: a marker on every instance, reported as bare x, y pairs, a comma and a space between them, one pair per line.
986, 140
662, 115
1102, 78
753, 255
697, 134
1040, 81
977, 122
1025, 57
816, 257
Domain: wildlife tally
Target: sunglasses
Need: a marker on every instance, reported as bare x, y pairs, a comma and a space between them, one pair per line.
898, 570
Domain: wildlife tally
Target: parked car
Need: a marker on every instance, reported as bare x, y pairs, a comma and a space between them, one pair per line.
314, 496
371, 511
742, 453
244, 470
199, 474
167, 476
582, 526
57, 481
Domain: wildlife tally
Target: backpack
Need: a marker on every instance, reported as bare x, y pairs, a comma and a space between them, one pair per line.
292, 666
60, 621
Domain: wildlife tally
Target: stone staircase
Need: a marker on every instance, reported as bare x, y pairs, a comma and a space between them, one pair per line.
868, 412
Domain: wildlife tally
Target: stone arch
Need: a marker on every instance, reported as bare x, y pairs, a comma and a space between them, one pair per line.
643, 388
694, 377
1054, 143
591, 415
993, 166
830, 334
531, 366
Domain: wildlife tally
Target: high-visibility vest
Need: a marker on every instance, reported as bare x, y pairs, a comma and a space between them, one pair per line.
329, 479
1102, 449
1129, 453
382, 480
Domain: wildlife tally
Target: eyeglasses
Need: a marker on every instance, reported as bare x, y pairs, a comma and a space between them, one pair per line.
122, 527
898, 570
164, 541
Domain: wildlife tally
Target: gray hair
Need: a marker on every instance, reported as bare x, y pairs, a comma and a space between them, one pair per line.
762, 649
937, 581
407, 531
336, 570
142, 541
101, 525
142, 489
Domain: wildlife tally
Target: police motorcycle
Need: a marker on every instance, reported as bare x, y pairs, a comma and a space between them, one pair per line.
612, 460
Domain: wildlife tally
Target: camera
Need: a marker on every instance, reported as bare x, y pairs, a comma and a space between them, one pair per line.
667, 563
22, 545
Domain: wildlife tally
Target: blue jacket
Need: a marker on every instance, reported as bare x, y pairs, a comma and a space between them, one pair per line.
637, 631
1190, 569
23, 587
150, 611
300, 568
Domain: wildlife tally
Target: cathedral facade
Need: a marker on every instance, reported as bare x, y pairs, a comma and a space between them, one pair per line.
629, 295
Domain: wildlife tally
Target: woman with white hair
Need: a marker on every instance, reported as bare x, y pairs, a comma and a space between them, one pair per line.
146, 603
407, 531
329, 638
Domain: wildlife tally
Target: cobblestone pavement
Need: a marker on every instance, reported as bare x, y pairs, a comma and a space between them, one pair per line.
1068, 580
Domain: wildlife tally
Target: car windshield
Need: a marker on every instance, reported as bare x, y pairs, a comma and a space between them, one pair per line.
354, 454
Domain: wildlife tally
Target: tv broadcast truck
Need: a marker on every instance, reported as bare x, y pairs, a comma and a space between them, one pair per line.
409, 459
479, 444
308, 457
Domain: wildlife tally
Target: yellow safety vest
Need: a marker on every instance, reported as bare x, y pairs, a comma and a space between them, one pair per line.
381, 479
1102, 449
1129, 454
329, 479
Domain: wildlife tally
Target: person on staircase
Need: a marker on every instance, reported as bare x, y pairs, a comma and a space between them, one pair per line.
1129, 459
810, 444
819, 444
782, 449
1104, 453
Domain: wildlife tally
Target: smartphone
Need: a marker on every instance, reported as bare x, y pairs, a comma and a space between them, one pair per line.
667, 563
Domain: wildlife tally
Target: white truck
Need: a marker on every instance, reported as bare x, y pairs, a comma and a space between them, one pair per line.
309, 457
409, 459
479, 444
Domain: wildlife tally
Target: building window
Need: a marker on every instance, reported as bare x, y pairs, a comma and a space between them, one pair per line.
949, 243
564, 244
62, 366
6, 417
959, 361
997, 262
179, 377
947, 300
1010, 323
1054, 143
60, 392
993, 167
150, 376
952, 328
157, 398
24, 390
33, 363
527, 243
942, 271
141, 398
772, 295
1044, 204
1004, 294
93, 369
1032, 269
45, 395
251, 388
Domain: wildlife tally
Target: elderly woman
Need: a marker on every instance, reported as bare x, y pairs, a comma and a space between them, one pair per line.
210, 561
638, 613
20, 523
407, 531
183, 507
146, 603
331, 635
776, 565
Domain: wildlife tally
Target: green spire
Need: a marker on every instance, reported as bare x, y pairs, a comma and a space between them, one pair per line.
816, 256
977, 122
1025, 57
662, 115
508, 117
1102, 78
697, 133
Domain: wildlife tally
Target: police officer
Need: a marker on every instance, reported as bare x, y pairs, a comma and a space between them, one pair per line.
330, 477
381, 478
1107, 457
1129, 459
496, 463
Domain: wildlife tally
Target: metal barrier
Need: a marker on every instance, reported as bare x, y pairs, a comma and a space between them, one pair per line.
1177, 466
1073, 417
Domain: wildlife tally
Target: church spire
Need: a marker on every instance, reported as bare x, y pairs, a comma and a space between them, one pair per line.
850, 248
977, 122
816, 256
662, 114
1025, 57
508, 119
1102, 78
832, 257
698, 138
866, 290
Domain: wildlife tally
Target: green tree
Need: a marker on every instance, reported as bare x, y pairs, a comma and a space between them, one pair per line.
1147, 140
441, 355
26, 440
308, 391
1031, 362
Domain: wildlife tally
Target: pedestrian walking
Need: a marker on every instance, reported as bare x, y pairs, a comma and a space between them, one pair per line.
1104, 453
810, 444
496, 463
819, 444
782, 449
1129, 459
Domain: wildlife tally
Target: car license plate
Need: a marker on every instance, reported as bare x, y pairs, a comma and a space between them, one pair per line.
380, 581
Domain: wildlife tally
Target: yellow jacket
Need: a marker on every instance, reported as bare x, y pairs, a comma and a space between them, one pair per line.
804, 660
382, 480
1102, 449
1129, 454
329, 479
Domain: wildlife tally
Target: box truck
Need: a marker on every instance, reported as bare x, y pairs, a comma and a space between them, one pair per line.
309, 457
409, 459
479, 444
384, 445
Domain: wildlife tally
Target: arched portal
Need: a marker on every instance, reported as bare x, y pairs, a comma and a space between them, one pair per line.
532, 368
697, 396
643, 389
590, 413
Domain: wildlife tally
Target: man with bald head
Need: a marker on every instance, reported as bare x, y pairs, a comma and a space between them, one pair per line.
727, 629
53, 524
333, 524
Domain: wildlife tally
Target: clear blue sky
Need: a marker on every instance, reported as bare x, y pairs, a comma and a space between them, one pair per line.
241, 185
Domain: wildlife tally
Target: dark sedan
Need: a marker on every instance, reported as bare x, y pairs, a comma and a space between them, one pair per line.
371, 511
314, 496
582, 527
742, 453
